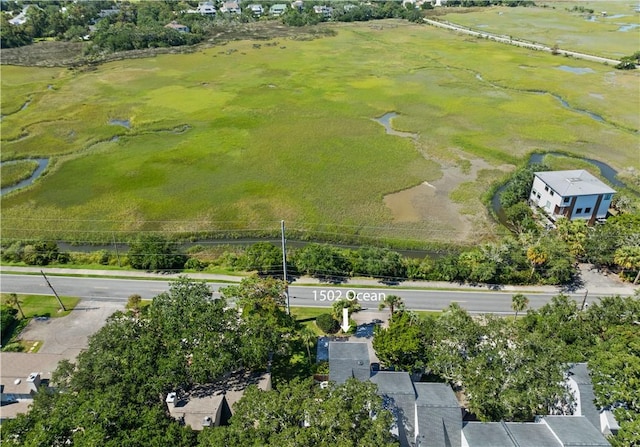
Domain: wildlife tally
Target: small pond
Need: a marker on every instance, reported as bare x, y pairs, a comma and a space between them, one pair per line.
626, 28
576, 70
385, 120
120, 122
42, 164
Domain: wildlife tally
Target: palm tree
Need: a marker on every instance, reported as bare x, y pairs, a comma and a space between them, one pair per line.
536, 256
14, 301
628, 258
519, 302
307, 336
393, 302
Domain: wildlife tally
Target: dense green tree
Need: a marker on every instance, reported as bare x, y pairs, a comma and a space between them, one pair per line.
378, 263
264, 257
301, 413
327, 323
322, 261
154, 252
404, 344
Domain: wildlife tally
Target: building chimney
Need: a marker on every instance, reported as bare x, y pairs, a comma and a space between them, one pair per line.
171, 400
33, 381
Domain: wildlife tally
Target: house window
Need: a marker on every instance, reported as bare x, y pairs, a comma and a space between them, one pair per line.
538, 195
587, 210
551, 192
546, 188
607, 196
579, 211
566, 199
533, 192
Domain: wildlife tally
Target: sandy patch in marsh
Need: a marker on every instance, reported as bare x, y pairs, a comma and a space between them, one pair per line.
430, 204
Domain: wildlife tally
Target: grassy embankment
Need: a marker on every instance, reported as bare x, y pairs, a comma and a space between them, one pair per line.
285, 132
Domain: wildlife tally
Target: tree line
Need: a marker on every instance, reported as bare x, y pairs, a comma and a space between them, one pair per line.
514, 369
531, 256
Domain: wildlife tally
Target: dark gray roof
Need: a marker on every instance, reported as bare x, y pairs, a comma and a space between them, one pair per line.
439, 416
399, 396
580, 374
348, 360
530, 434
574, 183
394, 382
487, 434
575, 431
435, 395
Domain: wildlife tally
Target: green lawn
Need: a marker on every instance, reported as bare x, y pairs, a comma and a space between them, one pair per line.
228, 141
42, 305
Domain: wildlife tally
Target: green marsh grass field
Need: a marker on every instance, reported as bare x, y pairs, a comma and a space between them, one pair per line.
236, 137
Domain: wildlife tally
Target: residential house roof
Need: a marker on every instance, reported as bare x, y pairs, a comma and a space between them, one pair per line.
585, 397
399, 397
177, 26
15, 369
531, 434
487, 434
212, 404
347, 359
575, 431
439, 416
574, 183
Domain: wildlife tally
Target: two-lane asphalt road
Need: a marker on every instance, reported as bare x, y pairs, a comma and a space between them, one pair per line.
113, 289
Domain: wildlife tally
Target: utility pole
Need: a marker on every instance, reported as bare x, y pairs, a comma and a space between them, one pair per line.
284, 266
54, 291
584, 300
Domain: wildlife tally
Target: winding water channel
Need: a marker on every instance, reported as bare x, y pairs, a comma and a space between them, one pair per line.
42, 165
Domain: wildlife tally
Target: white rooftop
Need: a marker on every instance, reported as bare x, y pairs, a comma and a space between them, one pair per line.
577, 182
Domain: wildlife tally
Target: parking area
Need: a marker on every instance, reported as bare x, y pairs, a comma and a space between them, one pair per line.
67, 336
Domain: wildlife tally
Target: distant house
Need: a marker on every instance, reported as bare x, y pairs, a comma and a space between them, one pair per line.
572, 194
178, 27
204, 8
230, 8
256, 9
325, 11
277, 9
211, 405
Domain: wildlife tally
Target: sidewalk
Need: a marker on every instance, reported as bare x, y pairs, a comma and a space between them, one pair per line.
593, 281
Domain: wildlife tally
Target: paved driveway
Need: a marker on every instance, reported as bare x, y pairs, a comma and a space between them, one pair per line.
67, 336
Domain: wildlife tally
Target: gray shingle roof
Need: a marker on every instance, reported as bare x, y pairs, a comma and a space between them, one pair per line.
487, 434
575, 431
348, 360
529, 434
439, 416
399, 396
580, 374
574, 183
